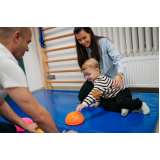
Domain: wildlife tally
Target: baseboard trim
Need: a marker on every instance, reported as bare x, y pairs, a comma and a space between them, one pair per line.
139, 90
66, 88
37, 89
145, 90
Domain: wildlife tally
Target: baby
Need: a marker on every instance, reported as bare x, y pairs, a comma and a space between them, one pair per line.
118, 100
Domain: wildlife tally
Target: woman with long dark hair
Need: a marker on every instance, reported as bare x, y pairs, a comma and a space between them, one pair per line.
112, 64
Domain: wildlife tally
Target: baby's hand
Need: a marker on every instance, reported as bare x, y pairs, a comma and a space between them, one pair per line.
79, 107
94, 105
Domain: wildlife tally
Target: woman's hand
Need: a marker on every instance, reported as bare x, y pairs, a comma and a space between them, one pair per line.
94, 105
117, 82
79, 107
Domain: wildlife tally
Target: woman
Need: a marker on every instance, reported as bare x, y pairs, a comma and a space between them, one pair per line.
104, 51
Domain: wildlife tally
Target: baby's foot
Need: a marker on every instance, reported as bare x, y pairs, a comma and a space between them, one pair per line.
145, 108
124, 112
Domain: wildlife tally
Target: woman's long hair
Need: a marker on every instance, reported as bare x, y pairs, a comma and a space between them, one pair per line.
81, 50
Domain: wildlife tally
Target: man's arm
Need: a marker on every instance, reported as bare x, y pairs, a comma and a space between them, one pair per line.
25, 100
7, 113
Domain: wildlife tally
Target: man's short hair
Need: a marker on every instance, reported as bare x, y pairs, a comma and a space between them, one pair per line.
90, 63
7, 32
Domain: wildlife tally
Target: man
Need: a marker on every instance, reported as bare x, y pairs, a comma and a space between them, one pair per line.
13, 44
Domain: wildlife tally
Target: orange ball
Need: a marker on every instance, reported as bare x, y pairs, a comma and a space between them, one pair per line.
39, 130
74, 118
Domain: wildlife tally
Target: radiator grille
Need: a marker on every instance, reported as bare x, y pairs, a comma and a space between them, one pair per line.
142, 71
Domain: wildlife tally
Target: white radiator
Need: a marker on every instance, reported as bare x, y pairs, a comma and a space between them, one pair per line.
142, 71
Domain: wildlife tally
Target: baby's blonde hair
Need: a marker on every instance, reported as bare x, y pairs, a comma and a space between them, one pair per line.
90, 63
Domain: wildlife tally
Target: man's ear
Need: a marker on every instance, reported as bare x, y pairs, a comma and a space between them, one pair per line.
17, 36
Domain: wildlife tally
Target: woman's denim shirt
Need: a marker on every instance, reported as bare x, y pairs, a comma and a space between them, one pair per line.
111, 61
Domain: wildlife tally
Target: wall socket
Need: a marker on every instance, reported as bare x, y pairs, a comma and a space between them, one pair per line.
51, 77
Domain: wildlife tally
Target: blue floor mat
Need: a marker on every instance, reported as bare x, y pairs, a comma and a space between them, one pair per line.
96, 120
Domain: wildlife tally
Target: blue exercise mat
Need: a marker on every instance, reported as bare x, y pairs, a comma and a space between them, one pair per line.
96, 120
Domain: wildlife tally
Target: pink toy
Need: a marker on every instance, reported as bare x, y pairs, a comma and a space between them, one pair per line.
27, 120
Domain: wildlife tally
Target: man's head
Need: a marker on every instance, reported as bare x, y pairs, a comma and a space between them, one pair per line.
16, 40
90, 69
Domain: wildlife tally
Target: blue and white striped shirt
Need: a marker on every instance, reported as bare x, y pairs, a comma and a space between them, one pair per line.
103, 87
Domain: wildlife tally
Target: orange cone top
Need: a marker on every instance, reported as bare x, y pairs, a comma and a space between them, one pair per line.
74, 118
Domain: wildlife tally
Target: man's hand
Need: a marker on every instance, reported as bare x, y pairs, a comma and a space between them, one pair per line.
94, 105
32, 128
26, 101
71, 131
117, 83
79, 107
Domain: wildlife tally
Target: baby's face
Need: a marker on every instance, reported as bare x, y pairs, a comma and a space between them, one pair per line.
91, 73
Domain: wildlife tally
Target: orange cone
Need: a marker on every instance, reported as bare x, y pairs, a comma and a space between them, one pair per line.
74, 118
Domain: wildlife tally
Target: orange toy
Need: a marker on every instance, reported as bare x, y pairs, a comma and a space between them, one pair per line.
74, 118
39, 130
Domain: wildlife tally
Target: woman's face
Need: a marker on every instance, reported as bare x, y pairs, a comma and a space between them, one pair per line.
84, 38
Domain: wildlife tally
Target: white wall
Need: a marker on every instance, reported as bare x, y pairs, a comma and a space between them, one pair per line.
62, 54
32, 66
